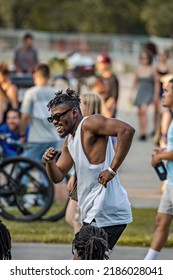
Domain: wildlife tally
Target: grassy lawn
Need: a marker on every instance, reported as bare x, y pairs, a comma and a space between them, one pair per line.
138, 233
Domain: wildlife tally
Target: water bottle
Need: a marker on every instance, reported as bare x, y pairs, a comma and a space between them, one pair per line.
161, 170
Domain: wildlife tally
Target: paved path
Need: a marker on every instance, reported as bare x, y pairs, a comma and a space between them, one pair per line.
138, 178
35, 251
136, 173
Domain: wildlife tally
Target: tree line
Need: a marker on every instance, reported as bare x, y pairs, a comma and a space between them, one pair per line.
144, 17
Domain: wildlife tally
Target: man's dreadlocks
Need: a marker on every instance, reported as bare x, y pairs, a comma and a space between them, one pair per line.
68, 97
91, 243
5, 243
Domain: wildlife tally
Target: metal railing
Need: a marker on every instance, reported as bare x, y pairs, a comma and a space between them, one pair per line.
122, 48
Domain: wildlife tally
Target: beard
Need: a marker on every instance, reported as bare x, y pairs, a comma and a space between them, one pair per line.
67, 129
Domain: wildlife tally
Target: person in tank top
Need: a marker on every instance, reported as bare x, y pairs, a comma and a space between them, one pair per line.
103, 202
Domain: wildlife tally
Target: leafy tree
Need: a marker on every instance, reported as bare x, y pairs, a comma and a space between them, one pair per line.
89, 16
94, 16
157, 15
14, 13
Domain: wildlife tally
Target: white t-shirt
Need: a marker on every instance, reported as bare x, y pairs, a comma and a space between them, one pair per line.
35, 104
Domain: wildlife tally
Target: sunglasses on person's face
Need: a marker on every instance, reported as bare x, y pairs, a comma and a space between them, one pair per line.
57, 116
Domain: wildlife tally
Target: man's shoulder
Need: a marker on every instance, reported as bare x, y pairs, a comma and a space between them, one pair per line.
92, 118
114, 77
35, 89
45, 92
33, 49
31, 91
40, 93
50, 88
92, 121
18, 48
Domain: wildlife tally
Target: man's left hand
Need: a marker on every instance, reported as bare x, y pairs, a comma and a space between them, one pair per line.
105, 177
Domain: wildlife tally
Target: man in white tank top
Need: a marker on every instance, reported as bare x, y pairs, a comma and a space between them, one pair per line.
102, 200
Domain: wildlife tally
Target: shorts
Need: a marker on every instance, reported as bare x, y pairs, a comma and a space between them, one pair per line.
166, 202
113, 232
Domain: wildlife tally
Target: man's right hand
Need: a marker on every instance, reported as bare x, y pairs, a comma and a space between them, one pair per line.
49, 155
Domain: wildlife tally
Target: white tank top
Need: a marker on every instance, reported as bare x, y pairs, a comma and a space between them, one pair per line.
110, 205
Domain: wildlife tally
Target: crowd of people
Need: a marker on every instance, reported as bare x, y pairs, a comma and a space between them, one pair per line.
87, 122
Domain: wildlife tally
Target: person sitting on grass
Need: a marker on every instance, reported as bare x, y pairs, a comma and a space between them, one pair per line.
12, 128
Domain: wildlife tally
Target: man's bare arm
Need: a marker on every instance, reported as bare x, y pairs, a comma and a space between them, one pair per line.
57, 170
100, 125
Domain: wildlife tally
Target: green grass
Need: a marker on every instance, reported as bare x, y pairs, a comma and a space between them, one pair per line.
138, 233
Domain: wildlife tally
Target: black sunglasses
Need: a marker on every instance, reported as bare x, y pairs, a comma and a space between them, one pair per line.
57, 116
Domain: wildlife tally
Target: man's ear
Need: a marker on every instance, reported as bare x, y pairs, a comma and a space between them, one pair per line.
75, 112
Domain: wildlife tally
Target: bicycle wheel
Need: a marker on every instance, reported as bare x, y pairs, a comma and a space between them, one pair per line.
26, 192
